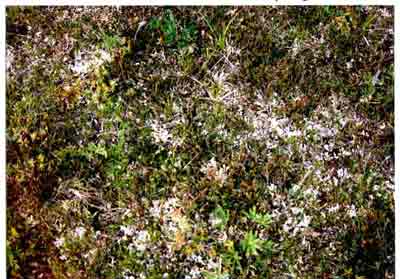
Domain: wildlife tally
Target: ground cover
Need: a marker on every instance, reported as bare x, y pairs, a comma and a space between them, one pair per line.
207, 142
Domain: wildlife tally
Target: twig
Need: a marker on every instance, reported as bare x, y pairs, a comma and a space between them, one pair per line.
306, 176
141, 24
226, 95
191, 161
366, 41
202, 85
219, 60
226, 58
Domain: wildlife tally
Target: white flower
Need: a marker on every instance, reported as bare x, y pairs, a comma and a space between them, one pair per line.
104, 56
195, 272
161, 134
333, 208
127, 230
59, 242
142, 238
346, 153
213, 172
352, 211
311, 192
272, 187
222, 174
170, 205
326, 132
343, 122
327, 147
342, 173
211, 165
141, 247
155, 210
305, 222
212, 265
385, 12
287, 226
92, 60
80, 232
197, 259
90, 254
296, 210
80, 67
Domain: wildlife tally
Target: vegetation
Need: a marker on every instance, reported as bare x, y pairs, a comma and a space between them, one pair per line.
218, 142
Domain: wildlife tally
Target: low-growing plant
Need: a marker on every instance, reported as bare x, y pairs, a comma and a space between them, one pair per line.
110, 41
220, 37
263, 220
168, 27
251, 245
173, 33
231, 257
220, 217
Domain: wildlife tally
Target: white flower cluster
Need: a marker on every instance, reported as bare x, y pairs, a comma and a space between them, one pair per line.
140, 238
201, 264
283, 128
83, 63
59, 242
293, 223
194, 273
161, 132
213, 172
352, 211
171, 215
79, 232
323, 132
